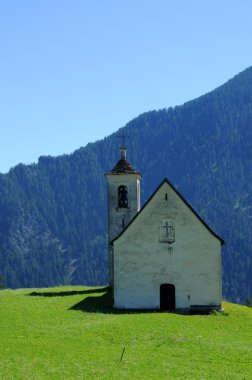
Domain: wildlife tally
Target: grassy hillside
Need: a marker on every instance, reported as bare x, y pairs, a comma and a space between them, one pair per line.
72, 333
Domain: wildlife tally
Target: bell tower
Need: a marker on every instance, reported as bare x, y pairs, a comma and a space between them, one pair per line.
123, 201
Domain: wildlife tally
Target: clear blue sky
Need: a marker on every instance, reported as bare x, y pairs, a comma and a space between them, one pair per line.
72, 72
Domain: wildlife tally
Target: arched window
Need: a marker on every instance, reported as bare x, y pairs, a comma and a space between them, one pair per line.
122, 197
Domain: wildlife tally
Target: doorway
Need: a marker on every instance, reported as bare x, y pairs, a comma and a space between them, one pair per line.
167, 297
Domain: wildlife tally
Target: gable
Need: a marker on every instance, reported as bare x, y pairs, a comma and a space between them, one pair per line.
164, 207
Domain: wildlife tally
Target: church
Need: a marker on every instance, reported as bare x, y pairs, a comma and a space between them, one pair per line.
163, 255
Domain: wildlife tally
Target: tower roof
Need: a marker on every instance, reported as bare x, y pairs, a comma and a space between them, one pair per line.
123, 167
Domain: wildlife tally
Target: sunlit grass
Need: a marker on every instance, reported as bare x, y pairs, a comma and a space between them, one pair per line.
72, 333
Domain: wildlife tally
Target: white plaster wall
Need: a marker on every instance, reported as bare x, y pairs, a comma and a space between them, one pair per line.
117, 215
142, 263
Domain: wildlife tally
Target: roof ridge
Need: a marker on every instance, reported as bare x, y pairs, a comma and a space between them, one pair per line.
165, 180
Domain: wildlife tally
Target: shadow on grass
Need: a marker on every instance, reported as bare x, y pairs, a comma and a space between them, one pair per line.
96, 304
69, 293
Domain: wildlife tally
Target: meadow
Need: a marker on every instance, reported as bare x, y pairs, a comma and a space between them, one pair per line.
73, 333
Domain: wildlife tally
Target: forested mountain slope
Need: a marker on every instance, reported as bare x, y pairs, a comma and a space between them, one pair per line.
53, 215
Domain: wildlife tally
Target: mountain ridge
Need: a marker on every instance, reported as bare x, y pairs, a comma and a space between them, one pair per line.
56, 209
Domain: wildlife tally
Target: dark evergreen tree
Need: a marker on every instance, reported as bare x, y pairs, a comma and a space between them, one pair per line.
1, 282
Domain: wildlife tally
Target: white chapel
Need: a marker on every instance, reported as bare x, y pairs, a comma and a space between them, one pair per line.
163, 255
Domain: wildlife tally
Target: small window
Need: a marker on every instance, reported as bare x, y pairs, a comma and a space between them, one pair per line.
122, 197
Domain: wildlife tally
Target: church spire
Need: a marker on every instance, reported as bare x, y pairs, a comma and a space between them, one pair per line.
123, 152
123, 166
123, 148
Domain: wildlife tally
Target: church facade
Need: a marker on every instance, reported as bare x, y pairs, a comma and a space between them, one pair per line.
162, 256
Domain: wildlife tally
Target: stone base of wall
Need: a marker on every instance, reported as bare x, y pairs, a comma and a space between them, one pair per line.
204, 309
193, 310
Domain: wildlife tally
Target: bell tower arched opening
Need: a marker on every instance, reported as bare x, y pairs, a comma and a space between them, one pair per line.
122, 193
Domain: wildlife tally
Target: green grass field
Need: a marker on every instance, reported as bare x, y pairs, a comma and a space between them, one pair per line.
73, 333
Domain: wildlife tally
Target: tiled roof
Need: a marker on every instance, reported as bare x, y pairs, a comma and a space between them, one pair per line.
123, 166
